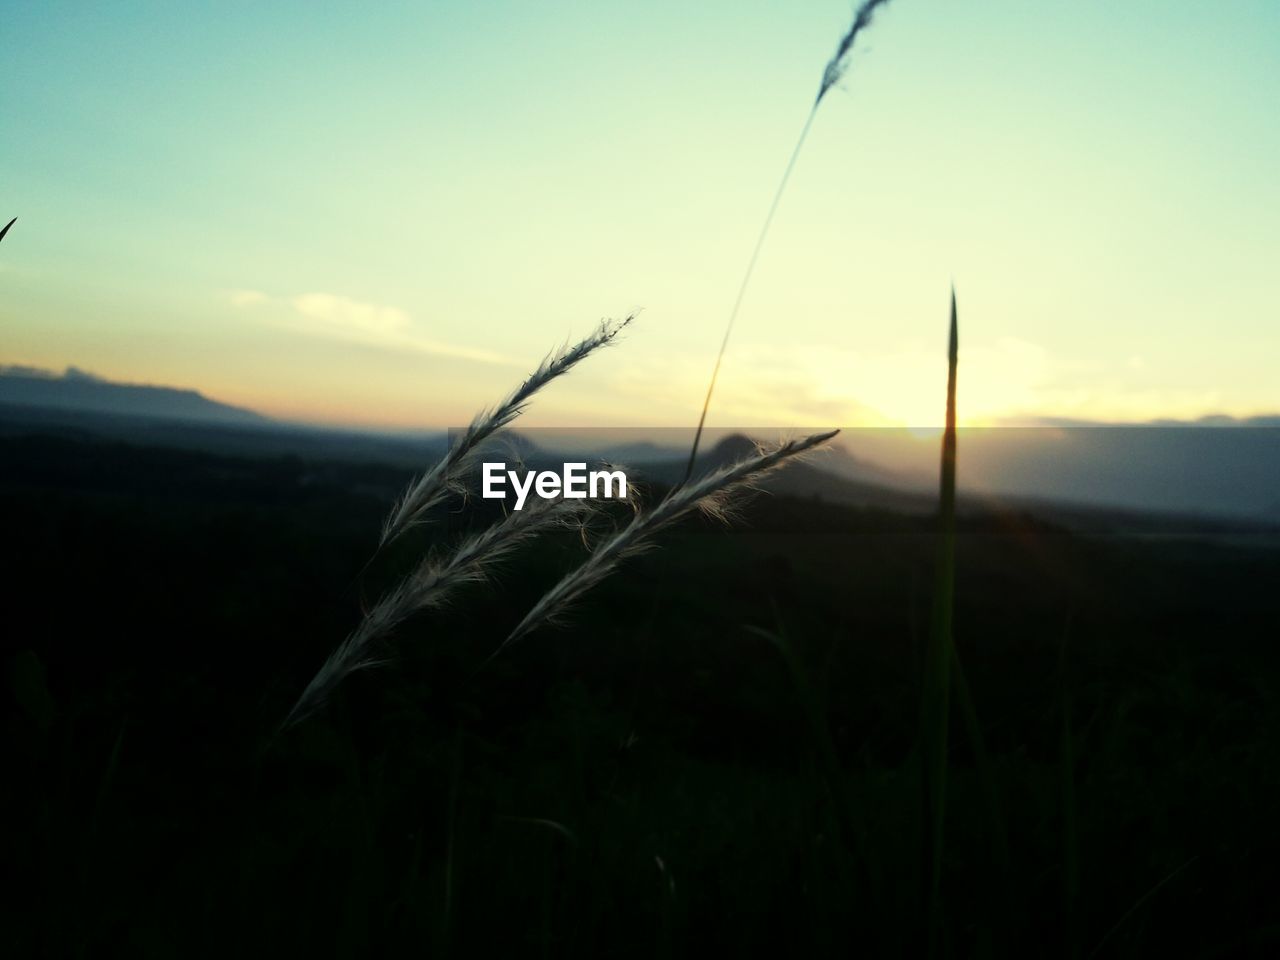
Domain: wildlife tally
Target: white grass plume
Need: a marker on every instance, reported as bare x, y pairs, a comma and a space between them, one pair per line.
434, 485
430, 585
708, 494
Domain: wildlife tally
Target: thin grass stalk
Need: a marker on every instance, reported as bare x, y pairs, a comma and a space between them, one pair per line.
434, 486
831, 75
430, 585
742, 288
997, 835
848, 825
973, 729
1070, 830
824, 747
1139, 903
1002, 897
451, 847
935, 707
708, 494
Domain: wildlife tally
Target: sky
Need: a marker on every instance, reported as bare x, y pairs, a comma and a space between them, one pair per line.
386, 214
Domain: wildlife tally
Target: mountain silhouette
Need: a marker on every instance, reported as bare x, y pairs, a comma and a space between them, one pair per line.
77, 390
729, 450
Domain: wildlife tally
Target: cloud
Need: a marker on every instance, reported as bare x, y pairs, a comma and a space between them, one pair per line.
246, 298
335, 317
343, 315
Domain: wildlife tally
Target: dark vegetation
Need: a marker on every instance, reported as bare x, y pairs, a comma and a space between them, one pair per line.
648, 780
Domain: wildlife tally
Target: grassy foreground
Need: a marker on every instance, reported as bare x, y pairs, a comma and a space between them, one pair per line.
646, 781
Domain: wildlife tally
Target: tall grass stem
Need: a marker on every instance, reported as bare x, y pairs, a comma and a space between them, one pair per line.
831, 75
742, 287
935, 708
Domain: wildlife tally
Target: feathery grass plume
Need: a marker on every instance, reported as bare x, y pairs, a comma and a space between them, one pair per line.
935, 705
434, 485
709, 494
831, 75
430, 586
839, 61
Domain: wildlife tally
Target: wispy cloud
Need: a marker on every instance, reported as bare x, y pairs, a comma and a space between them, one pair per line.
336, 317
330, 313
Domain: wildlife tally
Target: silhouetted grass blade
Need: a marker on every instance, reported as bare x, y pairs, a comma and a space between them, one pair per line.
937, 684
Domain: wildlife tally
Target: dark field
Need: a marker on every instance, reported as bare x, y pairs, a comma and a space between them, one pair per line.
651, 779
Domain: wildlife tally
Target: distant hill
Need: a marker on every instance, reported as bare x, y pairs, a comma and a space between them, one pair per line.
815, 475
76, 390
1213, 467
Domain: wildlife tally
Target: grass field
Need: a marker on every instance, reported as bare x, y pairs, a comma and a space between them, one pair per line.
648, 780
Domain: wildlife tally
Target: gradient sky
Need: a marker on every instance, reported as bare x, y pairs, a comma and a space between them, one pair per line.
385, 214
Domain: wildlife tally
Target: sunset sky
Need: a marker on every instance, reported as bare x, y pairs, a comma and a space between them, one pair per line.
385, 214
